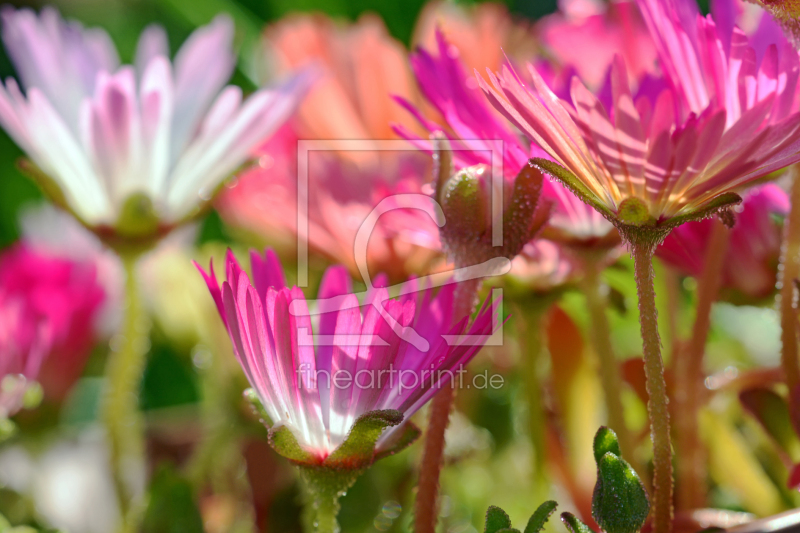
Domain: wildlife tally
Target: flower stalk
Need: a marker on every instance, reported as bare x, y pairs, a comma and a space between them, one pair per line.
609, 367
426, 509
657, 406
788, 272
688, 365
121, 416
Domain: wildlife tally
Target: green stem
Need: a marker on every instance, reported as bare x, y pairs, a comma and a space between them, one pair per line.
657, 406
120, 413
426, 505
324, 488
599, 330
532, 345
689, 378
788, 272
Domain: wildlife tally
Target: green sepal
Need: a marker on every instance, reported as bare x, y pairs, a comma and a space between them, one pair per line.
574, 524
619, 503
284, 442
540, 517
710, 208
571, 182
605, 441
410, 433
442, 162
258, 408
496, 520
358, 451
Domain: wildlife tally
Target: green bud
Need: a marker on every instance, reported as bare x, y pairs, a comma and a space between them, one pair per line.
619, 503
33, 395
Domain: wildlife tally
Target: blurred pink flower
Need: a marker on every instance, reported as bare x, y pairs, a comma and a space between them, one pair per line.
586, 35
360, 66
484, 34
363, 359
38, 288
734, 124
751, 263
468, 117
103, 133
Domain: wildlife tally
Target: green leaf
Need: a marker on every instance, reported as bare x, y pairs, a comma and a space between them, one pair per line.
605, 441
401, 441
358, 450
540, 517
620, 503
574, 184
496, 520
574, 524
171, 507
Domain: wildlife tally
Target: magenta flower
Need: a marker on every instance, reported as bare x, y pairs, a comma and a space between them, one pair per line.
165, 134
750, 265
642, 163
468, 118
382, 355
38, 288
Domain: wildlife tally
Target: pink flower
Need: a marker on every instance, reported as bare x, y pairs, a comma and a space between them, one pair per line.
387, 355
160, 133
468, 118
640, 162
751, 262
39, 289
587, 34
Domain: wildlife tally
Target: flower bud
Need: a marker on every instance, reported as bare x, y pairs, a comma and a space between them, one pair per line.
470, 199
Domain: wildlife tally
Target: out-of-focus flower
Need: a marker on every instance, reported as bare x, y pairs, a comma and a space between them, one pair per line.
24, 343
361, 66
542, 266
40, 290
642, 165
750, 265
390, 355
482, 34
586, 35
468, 118
131, 150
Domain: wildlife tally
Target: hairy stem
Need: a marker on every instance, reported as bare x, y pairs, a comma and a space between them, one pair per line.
609, 366
426, 508
788, 272
121, 415
689, 377
657, 406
